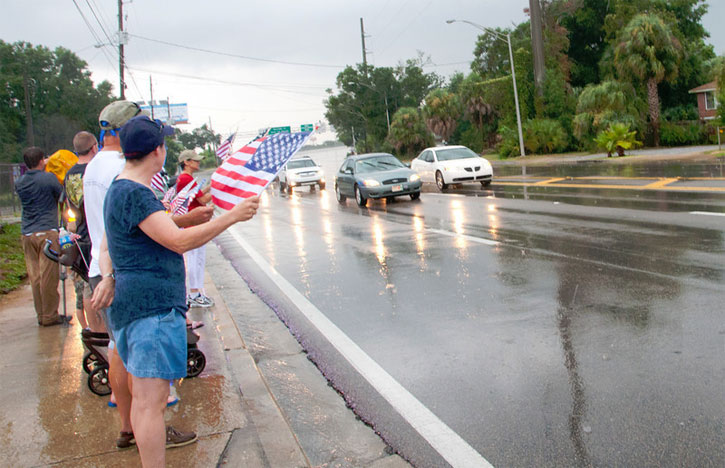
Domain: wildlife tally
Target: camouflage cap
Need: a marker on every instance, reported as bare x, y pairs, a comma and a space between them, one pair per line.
117, 113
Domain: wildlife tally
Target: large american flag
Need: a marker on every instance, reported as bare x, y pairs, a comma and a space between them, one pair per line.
225, 148
247, 172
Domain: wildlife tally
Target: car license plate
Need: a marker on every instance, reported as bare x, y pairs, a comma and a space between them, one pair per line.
397, 188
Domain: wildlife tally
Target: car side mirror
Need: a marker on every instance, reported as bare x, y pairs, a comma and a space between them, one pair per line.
348, 170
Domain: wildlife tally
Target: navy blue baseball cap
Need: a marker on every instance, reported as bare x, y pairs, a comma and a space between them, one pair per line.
141, 135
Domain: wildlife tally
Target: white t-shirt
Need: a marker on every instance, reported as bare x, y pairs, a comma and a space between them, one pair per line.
100, 172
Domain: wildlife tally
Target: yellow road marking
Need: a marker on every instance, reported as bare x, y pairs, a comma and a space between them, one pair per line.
660, 183
550, 181
620, 187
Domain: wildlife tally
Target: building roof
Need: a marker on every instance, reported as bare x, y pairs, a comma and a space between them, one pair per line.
711, 86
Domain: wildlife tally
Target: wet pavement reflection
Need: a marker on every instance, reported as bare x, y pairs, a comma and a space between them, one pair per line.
545, 334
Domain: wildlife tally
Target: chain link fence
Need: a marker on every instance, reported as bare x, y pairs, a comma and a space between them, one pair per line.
9, 201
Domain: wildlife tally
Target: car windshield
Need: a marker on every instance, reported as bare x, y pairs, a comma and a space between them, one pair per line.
455, 153
377, 163
299, 163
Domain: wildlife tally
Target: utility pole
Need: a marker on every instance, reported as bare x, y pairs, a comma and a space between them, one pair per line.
120, 49
364, 51
151, 103
537, 45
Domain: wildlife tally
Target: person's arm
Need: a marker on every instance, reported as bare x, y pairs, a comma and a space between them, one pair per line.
103, 293
159, 227
194, 217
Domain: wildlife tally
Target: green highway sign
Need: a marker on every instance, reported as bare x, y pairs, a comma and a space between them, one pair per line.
274, 130
307, 128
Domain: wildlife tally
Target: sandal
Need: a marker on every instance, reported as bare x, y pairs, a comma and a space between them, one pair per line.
194, 325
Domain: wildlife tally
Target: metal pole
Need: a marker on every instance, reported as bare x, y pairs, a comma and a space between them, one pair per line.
151, 89
516, 96
120, 49
364, 53
387, 112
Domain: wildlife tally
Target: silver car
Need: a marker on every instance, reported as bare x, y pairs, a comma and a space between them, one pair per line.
375, 175
301, 171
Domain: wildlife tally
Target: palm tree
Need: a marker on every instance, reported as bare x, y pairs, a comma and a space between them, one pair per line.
441, 112
476, 104
648, 51
408, 133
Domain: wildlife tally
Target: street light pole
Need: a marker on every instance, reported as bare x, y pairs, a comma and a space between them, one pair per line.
513, 74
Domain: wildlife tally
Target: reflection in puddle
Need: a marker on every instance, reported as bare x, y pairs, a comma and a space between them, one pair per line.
419, 229
459, 218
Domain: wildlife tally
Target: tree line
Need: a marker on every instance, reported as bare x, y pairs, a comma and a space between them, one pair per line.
47, 96
615, 71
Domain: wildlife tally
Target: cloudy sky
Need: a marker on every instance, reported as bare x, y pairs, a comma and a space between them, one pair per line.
273, 60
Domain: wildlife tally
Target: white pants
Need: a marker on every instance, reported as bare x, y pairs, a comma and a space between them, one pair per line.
195, 261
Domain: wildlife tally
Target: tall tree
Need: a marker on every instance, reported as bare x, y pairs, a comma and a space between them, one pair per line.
441, 111
648, 52
408, 133
45, 98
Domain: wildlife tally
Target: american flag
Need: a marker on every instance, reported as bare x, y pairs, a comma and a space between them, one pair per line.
160, 181
247, 172
180, 204
224, 149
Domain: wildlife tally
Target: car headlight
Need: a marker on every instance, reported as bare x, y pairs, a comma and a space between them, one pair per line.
370, 183
414, 178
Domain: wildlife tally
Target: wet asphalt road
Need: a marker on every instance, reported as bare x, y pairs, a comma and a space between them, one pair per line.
546, 327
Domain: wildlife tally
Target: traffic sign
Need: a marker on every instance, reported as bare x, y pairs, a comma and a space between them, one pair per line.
307, 127
274, 130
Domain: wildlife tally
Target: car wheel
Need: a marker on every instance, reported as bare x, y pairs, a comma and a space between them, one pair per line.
359, 198
322, 185
389, 199
282, 186
415, 195
440, 183
312, 188
485, 183
340, 197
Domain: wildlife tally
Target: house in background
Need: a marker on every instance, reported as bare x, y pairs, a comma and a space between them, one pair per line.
706, 100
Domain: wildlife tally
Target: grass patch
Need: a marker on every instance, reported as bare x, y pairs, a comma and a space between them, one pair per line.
12, 260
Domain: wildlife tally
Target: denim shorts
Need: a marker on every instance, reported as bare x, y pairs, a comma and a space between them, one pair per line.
154, 346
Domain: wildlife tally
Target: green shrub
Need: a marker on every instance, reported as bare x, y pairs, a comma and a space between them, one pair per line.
545, 136
682, 133
509, 145
617, 137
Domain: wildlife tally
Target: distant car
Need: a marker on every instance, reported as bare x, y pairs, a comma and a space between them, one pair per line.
452, 165
301, 171
375, 175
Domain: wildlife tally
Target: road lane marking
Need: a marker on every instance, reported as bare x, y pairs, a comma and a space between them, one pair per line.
463, 236
706, 213
660, 183
456, 451
617, 187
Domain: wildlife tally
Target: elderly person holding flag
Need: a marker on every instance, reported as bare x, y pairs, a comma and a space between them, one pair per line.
197, 197
146, 291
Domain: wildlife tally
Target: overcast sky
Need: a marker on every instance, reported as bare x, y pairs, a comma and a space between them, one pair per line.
305, 45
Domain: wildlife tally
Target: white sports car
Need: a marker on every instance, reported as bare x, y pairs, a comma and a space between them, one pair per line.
452, 165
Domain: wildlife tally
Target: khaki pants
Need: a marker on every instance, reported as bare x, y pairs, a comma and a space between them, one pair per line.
43, 274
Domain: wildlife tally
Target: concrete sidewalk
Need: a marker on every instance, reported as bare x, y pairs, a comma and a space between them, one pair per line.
264, 406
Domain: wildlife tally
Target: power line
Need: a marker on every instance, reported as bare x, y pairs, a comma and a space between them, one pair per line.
235, 55
93, 33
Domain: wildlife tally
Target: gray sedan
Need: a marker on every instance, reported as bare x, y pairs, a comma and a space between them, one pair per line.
375, 175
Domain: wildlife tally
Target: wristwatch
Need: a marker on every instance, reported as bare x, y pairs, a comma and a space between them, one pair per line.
110, 275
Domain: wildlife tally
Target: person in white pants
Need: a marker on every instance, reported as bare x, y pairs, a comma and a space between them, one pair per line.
195, 259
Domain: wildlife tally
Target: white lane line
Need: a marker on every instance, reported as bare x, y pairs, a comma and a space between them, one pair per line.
707, 213
463, 236
447, 443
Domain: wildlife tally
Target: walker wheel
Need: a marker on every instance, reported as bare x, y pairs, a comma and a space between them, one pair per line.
89, 361
195, 362
98, 381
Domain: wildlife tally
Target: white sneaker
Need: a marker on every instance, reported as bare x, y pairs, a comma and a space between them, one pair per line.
199, 300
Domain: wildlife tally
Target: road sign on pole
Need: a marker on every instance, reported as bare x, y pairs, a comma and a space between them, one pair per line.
307, 127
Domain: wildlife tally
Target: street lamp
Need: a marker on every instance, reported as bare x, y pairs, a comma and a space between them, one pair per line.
384, 94
513, 72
